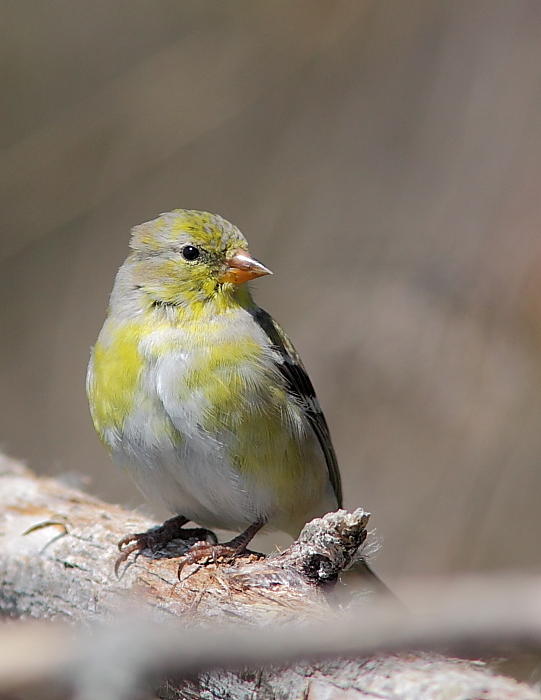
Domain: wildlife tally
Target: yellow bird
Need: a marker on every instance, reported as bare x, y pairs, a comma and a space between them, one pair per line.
201, 395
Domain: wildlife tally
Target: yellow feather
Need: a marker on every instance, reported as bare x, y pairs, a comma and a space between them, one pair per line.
116, 367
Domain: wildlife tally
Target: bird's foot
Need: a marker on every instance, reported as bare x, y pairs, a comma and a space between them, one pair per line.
157, 538
203, 553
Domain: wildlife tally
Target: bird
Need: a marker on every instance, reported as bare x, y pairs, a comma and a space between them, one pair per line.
201, 396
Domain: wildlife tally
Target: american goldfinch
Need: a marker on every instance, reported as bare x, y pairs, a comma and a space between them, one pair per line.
201, 395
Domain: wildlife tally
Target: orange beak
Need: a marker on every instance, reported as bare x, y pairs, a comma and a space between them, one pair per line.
241, 267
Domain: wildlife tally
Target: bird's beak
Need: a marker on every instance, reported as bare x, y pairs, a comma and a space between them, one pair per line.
241, 267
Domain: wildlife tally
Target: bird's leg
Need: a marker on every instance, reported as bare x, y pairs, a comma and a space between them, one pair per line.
202, 552
157, 537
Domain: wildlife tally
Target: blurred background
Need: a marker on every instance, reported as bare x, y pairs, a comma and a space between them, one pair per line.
382, 157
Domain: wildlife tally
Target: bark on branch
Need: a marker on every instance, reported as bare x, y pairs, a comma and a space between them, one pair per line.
57, 550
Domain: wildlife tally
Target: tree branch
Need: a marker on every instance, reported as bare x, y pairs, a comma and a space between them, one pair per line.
62, 569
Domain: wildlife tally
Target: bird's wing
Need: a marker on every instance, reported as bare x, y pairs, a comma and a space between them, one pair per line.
301, 388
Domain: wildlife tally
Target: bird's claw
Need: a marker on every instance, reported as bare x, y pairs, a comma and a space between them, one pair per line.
156, 539
204, 553
125, 553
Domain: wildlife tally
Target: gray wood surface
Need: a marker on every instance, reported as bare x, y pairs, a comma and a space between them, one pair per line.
57, 550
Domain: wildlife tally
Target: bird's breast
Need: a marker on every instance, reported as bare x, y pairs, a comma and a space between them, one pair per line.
202, 419
188, 384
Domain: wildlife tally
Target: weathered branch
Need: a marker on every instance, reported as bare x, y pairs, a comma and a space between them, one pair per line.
59, 549
63, 569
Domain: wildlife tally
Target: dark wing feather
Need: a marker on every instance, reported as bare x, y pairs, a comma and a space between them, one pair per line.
299, 385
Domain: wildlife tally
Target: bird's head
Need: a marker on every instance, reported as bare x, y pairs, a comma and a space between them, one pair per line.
187, 256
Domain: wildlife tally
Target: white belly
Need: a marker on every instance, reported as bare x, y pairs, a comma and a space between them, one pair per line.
194, 479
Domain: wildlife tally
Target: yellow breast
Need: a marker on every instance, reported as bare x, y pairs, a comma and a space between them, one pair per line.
113, 375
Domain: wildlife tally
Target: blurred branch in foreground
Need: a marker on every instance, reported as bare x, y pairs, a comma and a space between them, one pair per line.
63, 569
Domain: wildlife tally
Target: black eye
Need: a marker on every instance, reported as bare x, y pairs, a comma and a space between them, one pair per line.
190, 252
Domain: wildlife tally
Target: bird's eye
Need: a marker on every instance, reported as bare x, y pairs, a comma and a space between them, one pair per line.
190, 252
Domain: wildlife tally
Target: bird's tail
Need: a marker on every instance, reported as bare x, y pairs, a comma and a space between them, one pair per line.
361, 574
